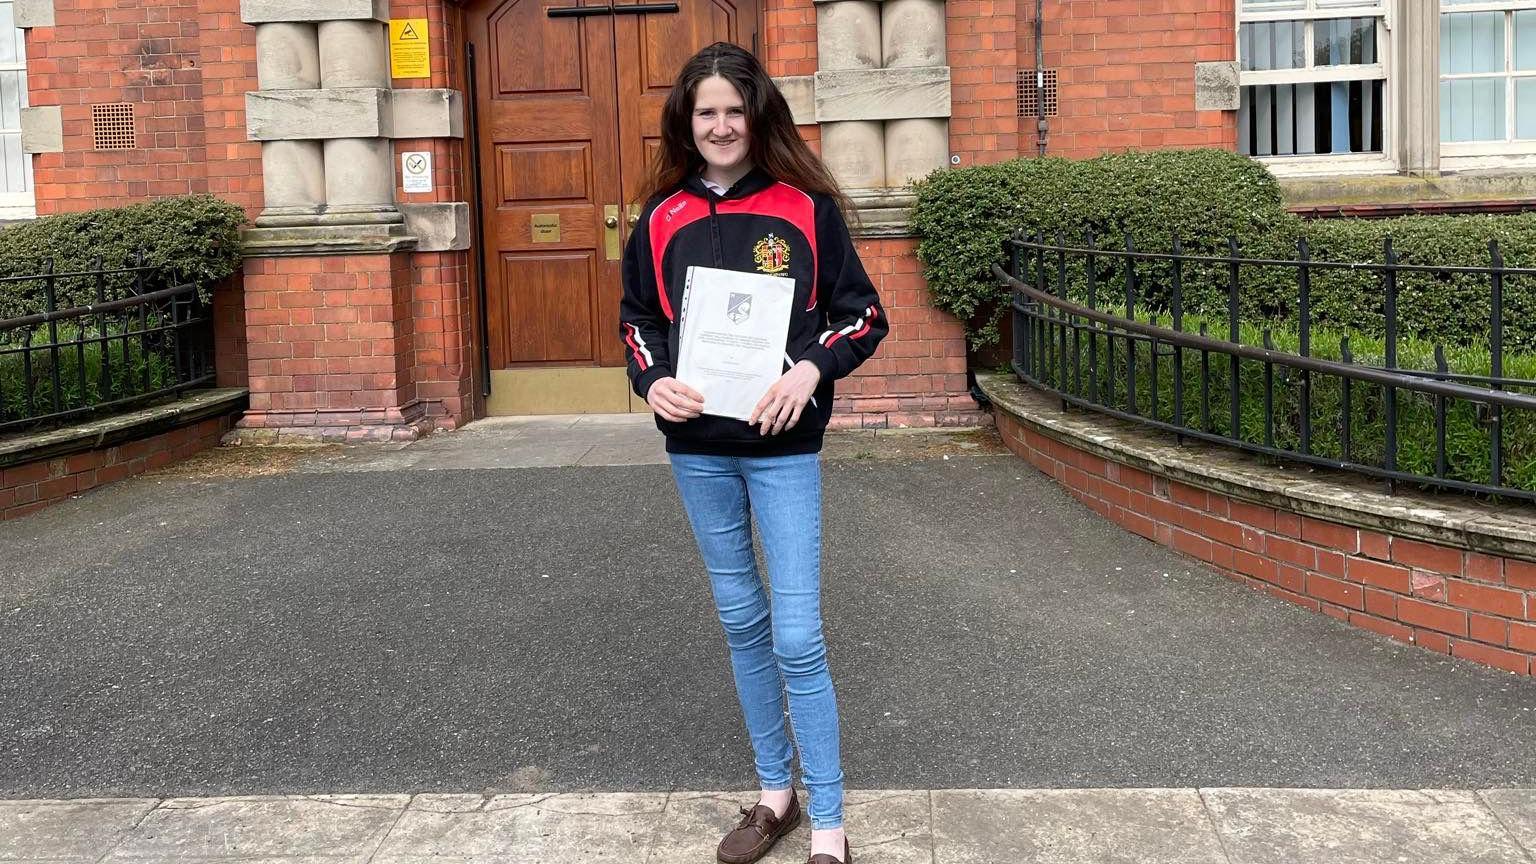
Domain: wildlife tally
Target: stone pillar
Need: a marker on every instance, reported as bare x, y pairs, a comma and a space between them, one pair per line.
848, 35
914, 148
912, 33
288, 58
331, 346
354, 54
1416, 88
882, 100
855, 153
359, 172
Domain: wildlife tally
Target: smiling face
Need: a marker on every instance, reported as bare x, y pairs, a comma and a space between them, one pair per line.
720, 130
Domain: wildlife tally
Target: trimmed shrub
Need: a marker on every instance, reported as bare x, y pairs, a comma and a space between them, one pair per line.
194, 238
1203, 197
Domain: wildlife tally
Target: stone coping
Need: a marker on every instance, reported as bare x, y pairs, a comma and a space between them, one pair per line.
1335, 496
193, 407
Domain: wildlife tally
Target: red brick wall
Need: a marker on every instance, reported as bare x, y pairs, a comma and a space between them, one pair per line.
1454, 601
983, 63
917, 377
34, 485
332, 346
442, 351
788, 39
228, 57
1127, 73
141, 53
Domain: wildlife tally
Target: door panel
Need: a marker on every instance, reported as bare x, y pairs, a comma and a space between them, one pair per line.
652, 49
568, 111
546, 114
543, 322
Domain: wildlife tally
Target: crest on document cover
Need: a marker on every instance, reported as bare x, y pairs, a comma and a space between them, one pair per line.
739, 307
771, 254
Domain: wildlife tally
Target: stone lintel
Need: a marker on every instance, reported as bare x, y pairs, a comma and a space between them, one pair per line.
438, 227
1216, 86
427, 113
270, 11
326, 240
42, 129
33, 13
800, 92
288, 115
882, 94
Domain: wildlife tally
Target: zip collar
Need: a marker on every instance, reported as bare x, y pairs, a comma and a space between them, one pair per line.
752, 182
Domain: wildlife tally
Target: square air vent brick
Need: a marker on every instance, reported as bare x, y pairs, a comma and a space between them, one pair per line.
112, 126
1028, 94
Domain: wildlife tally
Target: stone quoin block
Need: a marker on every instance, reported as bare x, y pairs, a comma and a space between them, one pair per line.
263, 11
354, 112
882, 94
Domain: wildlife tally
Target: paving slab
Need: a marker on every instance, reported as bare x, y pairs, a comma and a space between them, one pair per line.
1074, 826
1359, 826
953, 826
333, 827
79, 830
1516, 809
528, 829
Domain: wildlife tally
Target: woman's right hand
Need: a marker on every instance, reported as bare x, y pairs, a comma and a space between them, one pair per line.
674, 400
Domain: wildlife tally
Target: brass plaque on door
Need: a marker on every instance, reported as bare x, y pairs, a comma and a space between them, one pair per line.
546, 227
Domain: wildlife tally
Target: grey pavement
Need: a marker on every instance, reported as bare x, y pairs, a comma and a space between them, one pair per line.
448, 618
952, 826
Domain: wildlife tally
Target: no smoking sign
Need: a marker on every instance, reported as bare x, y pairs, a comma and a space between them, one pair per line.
416, 169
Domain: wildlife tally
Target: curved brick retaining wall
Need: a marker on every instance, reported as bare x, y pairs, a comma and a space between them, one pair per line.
1443, 572
47, 467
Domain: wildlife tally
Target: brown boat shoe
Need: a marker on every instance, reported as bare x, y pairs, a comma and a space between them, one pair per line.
758, 830
824, 858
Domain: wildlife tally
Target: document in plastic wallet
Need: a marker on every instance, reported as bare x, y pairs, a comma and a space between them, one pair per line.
731, 343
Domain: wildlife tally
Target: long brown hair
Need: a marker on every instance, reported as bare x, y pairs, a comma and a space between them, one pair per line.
773, 144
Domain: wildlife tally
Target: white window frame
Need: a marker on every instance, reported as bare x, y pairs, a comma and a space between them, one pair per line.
1469, 155
20, 205
1321, 10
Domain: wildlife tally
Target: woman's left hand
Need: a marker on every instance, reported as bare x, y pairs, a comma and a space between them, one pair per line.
780, 407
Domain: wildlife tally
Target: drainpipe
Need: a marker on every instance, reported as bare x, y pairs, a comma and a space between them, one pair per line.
1040, 128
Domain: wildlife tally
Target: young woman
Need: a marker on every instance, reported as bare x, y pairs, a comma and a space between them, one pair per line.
734, 187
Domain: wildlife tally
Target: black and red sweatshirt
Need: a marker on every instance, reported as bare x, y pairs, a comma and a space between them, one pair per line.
758, 225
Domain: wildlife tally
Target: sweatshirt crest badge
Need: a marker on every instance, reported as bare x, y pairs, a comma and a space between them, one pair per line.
771, 254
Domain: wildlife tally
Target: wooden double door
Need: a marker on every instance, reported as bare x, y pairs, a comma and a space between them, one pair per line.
569, 95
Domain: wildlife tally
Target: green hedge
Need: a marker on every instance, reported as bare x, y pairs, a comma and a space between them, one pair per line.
1203, 197
194, 238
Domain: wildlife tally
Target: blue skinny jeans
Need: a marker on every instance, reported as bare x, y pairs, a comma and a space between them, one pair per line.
776, 646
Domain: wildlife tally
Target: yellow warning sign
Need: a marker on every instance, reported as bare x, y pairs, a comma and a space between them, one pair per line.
409, 55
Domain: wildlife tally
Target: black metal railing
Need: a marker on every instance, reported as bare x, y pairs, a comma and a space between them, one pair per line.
1079, 333
98, 341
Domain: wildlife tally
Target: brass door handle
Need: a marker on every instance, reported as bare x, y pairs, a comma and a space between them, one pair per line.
633, 218
613, 222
